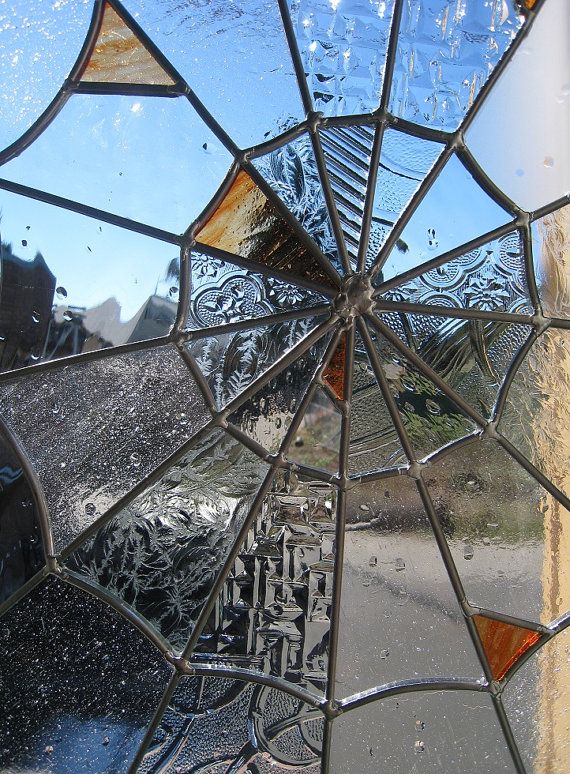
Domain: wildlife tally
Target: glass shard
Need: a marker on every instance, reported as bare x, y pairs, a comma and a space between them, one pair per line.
347, 152
405, 161
94, 429
267, 415
152, 160
446, 52
21, 549
92, 684
231, 361
292, 173
533, 166
491, 277
334, 373
506, 533
551, 256
503, 643
343, 46
247, 224
162, 552
216, 725
393, 568
119, 56
73, 284
273, 613
537, 412
444, 219
221, 293
317, 442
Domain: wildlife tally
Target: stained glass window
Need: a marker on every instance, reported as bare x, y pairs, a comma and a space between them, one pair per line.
284, 381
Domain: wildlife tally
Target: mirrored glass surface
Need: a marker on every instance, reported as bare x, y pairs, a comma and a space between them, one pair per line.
551, 256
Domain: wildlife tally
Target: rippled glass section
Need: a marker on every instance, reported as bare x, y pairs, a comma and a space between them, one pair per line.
551, 255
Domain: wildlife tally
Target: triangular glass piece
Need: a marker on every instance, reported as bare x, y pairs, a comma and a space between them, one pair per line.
503, 643
347, 152
334, 373
292, 173
119, 56
273, 614
392, 566
551, 257
491, 277
268, 414
405, 161
245, 223
317, 442
161, 553
222, 293
231, 361
454, 211
472, 356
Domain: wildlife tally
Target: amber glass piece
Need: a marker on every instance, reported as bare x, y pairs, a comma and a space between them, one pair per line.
503, 643
245, 223
120, 57
333, 375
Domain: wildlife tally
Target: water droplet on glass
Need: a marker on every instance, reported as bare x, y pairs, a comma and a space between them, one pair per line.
55, 408
90, 509
420, 725
468, 551
173, 290
384, 653
399, 564
4, 632
419, 746
486, 541
433, 242
67, 316
373, 561
519, 172
299, 441
48, 749
61, 292
135, 458
548, 162
106, 741
35, 317
24, 242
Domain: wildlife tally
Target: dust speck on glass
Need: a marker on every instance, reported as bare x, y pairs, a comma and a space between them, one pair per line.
284, 380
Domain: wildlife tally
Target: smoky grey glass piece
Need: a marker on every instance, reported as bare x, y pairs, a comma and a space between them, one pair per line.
399, 616
217, 724
431, 732
78, 684
161, 553
445, 55
273, 613
94, 429
551, 257
139, 157
21, 547
222, 293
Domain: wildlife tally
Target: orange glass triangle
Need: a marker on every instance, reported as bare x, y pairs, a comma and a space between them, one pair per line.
333, 375
245, 223
503, 643
120, 57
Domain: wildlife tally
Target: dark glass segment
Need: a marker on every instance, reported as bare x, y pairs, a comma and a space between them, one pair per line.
274, 611
504, 643
218, 725
21, 549
162, 552
334, 373
551, 256
94, 429
79, 684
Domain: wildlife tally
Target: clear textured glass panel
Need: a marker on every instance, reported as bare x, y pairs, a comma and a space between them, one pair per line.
148, 159
444, 219
405, 161
537, 411
446, 51
40, 43
231, 361
347, 152
94, 429
234, 56
78, 684
491, 277
216, 725
537, 701
221, 293
162, 552
506, 532
72, 284
343, 46
427, 732
267, 416
273, 613
472, 356
530, 158
551, 255
393, 569
317, 441
21, 549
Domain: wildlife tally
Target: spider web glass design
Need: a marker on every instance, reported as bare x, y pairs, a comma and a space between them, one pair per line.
283, 394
